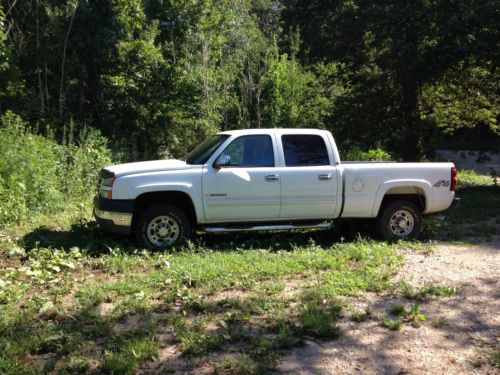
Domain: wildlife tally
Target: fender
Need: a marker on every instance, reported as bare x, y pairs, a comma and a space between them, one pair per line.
387, 185
187, 188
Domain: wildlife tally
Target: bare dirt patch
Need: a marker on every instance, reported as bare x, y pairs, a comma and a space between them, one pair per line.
467, 333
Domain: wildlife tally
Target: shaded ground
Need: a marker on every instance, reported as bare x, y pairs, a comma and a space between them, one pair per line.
458, 336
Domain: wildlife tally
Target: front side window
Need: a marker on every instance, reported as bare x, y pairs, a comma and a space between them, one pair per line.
204, 150
250, 151
304, 150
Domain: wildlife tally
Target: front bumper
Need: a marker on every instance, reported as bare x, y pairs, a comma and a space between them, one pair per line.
114, 215
455, 203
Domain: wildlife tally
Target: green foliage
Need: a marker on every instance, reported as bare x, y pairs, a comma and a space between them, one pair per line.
319, 315
393, 325
38, 175
357, 154
464, 98
128, 351
427, 290
292, 95
469, 178
494, 360
157, 76
194, 340
414, 315
397, 309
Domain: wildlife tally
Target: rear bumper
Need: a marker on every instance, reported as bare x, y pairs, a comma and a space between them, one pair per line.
455, 203
114, 215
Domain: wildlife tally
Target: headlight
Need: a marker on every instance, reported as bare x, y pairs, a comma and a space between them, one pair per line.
107, 181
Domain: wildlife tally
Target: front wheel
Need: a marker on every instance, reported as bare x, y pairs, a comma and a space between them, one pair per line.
161, 226
400, 220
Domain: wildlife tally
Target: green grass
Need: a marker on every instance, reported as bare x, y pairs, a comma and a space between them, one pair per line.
74, 300
52, 299
393, 325
428, 290
477, 216
397, 309
319, 314
494, 360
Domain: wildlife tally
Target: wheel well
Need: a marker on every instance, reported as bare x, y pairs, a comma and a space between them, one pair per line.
414, 195
176, 198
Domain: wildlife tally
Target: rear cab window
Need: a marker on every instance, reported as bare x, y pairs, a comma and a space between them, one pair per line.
304, 150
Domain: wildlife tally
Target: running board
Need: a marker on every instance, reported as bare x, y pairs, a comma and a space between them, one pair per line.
322, 225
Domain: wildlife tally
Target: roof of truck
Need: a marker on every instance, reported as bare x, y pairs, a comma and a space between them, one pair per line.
274, 131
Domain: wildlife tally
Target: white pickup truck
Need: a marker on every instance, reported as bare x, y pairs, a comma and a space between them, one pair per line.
267, 179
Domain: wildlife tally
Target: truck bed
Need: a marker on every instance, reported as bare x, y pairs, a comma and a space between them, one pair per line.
365, 183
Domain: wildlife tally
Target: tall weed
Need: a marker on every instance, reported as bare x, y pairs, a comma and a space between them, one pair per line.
38, 175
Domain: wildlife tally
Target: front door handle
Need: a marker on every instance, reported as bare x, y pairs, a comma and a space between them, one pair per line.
325, 176
272, 177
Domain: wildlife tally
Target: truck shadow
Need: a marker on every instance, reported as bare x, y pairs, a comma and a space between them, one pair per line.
84, 235
87, 236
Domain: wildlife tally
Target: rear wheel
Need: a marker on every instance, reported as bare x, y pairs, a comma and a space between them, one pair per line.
162, 226
400, 220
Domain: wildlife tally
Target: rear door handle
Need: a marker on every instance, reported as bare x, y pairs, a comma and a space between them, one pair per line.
272, 177
325, 176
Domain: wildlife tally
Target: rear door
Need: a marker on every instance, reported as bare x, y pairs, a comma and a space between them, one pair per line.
308, 177
248, 186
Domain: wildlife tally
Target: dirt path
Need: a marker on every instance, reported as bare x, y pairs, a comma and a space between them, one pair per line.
458, 336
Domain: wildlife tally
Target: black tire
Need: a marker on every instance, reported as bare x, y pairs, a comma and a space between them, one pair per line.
399, 220
162, 217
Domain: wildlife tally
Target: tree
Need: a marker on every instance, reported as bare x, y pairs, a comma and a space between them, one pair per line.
411, 43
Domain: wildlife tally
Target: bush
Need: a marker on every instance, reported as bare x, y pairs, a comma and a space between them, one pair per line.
38, 175
377, 154
469, 178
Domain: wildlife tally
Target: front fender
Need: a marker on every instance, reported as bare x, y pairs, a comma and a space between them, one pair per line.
186, 188
386, 186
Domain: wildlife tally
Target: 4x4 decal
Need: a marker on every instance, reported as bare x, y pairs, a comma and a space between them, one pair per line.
442, 183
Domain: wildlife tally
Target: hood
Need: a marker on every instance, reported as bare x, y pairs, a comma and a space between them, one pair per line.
147, 166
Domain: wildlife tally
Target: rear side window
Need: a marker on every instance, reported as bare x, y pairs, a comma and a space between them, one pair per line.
304, 150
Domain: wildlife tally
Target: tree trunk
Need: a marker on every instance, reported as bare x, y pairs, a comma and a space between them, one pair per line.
412, 125
94, 88
64, 61
38, 69
257, 107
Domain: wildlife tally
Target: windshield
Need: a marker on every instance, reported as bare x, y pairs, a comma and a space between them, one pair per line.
203, 151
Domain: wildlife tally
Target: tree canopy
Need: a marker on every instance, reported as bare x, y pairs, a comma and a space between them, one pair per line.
157, 76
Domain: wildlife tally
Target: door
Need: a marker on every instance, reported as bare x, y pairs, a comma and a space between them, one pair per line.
308, 178
247, 186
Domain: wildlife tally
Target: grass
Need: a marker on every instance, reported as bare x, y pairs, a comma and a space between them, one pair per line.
401, 315
477, 215
410, 291
393, 325
74, 300
319, 314
102, 305
397, 309
494, 360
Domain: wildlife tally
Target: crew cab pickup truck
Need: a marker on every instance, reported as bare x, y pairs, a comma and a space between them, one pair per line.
267, 179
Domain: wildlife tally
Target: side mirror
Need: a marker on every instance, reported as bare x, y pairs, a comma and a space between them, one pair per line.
222, 161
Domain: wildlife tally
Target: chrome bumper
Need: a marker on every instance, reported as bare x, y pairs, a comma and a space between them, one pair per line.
118, 218
114, 216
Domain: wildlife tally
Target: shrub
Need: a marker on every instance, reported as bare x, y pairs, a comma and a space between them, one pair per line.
376, 154
469, 178
38, 175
